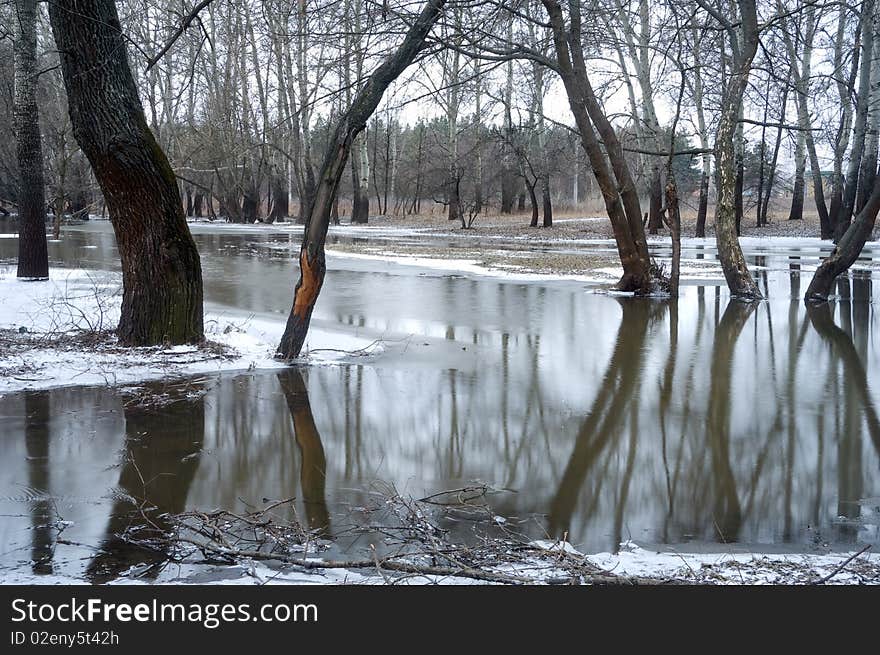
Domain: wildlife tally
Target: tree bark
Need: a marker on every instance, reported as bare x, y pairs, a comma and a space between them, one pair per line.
846, 251
311, 259
703, 207
736, 272
33, 256
860, 126
868, 169
611, 170
800, 166
161, 271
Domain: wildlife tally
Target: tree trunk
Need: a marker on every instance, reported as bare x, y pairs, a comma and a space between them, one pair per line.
763, 209
611, 170
846, 251
280, 196
161, 271
655, 218
311, 259
360, 210
703, 207
869, 160
530, 186
860, 126
33, 256
546, 199
800, 166
801, 76
736, 272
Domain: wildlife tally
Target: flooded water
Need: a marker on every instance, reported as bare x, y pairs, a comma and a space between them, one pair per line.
701, 424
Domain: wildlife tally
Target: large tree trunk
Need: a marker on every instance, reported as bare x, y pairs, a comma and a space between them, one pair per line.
846, 251
611, 170
33, 257
311, 259
736, 272
161, 271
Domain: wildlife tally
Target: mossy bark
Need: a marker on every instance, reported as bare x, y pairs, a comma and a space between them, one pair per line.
161, 270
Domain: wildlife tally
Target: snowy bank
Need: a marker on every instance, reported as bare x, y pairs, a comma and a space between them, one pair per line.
57, 332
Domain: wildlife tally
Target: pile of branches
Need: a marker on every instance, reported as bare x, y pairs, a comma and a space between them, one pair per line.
414, 543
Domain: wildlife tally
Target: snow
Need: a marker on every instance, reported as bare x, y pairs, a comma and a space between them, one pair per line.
727, 568
76, 302
462, 266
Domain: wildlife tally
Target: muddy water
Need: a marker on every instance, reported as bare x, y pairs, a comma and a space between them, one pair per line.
699, 424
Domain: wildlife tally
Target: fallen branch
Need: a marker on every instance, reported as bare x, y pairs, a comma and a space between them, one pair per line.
842, 566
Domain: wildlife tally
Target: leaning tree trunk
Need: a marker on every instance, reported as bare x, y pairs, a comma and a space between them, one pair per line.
33, 257
733, 263
608, 163
846, 251
311, 259
161, 271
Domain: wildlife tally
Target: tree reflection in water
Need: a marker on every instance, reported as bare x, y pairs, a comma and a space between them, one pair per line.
313, 464
161, 455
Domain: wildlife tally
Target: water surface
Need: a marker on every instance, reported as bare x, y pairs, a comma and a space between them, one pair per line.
700, 424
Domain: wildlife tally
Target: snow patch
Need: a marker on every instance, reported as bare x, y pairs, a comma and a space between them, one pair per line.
73, 304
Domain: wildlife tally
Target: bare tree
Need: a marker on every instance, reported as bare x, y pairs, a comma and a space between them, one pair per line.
353, 121
161, 271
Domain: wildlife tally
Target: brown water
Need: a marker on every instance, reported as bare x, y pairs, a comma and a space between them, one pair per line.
698, 424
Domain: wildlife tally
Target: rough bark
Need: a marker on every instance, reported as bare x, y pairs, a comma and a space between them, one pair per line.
846, 251
161, 271
611, 170
736, 272
353, 121
860, 126
33, 257
869, 160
